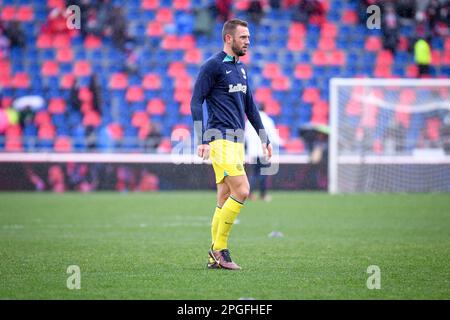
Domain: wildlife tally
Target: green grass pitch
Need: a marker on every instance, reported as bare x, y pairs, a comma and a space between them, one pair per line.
154, 246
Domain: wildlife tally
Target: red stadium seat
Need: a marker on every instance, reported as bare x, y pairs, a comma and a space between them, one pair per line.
181, 4
170, 42
447, 44
436, 58
176, 68
57, 106
91, 118
353, 107
8, 13
433, 127
281, 83
284, 131
183, 82
349, 16
13, 144
183, 95
155, 29
25, 13
383, 71
271, 70
151, 81
42, 118
193, 56
263, 94
82, 68
186, 42
85, 95
272, 107
297, 30
56, 4
46, 132
66, 81
118, 81
156, 107
373, 43
92, 42
64, 55
311, 95
185, 108
241, 5
303, 71
44, 41
63, 144
134, 94
139, 119
412, 71
165, 146
384, 58
61, 41
164, 15
20, 80
86, 106
328, 30
296, 44
326, 44
150, 4
116, 131
320, 112
13, 131
295, 145
49, 68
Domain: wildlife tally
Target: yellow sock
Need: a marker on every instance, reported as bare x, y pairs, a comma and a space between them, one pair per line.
215, 224
229, 212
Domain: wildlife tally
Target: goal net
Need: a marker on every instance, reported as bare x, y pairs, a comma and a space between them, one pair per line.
389, 135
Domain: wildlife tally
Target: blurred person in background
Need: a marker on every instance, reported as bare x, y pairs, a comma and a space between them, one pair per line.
422, 56
256, 156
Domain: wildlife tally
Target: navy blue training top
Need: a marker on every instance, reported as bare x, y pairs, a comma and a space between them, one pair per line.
223, 82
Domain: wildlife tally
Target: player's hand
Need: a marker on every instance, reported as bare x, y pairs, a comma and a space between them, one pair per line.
203, 151
267, 150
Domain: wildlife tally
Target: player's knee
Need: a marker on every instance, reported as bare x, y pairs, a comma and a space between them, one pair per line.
243, 193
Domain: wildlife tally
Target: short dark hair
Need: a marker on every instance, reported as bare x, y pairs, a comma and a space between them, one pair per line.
230, 26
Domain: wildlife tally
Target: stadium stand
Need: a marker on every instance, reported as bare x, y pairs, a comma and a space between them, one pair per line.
150, 79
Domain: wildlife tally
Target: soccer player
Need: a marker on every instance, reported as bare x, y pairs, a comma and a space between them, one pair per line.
223, 83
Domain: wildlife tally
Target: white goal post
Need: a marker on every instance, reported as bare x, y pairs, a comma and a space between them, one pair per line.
389, 135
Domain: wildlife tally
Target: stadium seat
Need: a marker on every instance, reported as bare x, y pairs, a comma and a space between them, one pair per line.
150, 4
64, 55
134, 94
193, 56
284, 132
57, 106
118, 81
349, 16
82, 68
183, 5
272, 107
152, 81
139, 119
155, 29
63, 144
281, 83
91, 118
373, 43
25, 13
92, 42
46, 132
164, 15
303, 71
294, 145
156, 107
8, 13
49, 68
311, 95
271, 70
20, 80
66, 81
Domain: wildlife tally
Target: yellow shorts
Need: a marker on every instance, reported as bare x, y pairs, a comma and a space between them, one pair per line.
227, 158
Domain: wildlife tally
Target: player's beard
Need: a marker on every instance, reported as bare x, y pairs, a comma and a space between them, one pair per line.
236, 50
